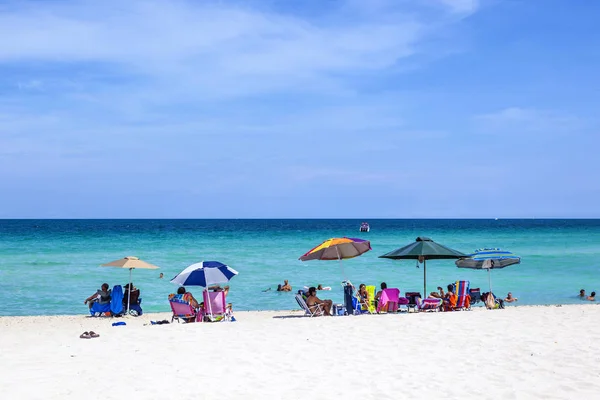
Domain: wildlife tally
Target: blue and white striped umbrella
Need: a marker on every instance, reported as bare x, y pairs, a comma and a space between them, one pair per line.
489, 258
204, 274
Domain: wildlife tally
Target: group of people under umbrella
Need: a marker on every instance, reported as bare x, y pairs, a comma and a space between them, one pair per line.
422, 249
207, 273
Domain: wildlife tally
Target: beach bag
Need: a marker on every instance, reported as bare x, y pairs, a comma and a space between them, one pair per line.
490, 301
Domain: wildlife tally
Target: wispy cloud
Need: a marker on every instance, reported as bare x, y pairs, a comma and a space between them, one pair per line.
515, 120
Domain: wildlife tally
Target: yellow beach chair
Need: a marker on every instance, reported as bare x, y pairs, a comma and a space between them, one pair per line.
371, 297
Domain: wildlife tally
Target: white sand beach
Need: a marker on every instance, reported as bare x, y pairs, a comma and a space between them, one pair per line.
546, 352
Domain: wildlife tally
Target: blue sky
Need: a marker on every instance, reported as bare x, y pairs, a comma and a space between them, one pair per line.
316, 108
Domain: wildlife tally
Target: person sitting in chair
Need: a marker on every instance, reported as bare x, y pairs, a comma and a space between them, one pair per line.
135, 295
312, 301
450, 299
183, 295
102, 296
363, 296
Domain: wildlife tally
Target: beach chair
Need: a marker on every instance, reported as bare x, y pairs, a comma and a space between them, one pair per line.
412, 298
463, 301
182, 310
429, 304
307, 312
388, 300
370, 308
103, 309
116, 301
215, 309
475, 294
98, 310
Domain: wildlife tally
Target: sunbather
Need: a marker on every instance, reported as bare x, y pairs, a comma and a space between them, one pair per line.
218, 288
509, 298
439, 294
363, 296
135, 295
450, 299
182, 294
383, 286
102, 296
312, 301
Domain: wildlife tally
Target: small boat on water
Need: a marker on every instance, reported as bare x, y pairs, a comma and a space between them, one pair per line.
364, 227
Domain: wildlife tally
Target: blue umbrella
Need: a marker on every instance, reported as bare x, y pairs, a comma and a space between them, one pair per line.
488, 258
204, 274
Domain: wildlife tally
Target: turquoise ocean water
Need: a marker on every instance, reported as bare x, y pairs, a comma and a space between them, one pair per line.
50, 266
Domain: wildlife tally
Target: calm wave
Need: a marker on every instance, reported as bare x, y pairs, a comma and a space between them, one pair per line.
51, 266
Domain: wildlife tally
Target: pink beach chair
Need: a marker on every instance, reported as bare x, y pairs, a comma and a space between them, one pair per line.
184, 311
388, 300
215, 307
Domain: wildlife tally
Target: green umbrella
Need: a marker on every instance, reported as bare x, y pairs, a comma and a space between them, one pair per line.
423, 249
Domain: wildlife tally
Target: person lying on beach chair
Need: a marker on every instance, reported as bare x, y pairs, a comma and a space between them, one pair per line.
312, 301
102, 296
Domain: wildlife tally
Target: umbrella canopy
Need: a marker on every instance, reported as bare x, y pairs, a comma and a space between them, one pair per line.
488, 258
424, 249
130, 263
204, 274
338, 249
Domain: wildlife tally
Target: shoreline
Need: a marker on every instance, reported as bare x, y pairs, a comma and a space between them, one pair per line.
477, 307
548, 352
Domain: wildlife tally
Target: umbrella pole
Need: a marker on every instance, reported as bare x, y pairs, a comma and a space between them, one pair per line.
490, 278
209, 305
129, 291
341, 265
424, 278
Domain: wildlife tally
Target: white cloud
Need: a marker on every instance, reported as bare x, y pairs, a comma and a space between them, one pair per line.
515, 120
218, 48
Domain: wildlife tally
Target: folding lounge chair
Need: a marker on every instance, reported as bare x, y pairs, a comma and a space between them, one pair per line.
412, 298
463, 301
388, 300
307, 312
475, 294
428, 304
215, 307
182, 310
105, 309
370, 308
